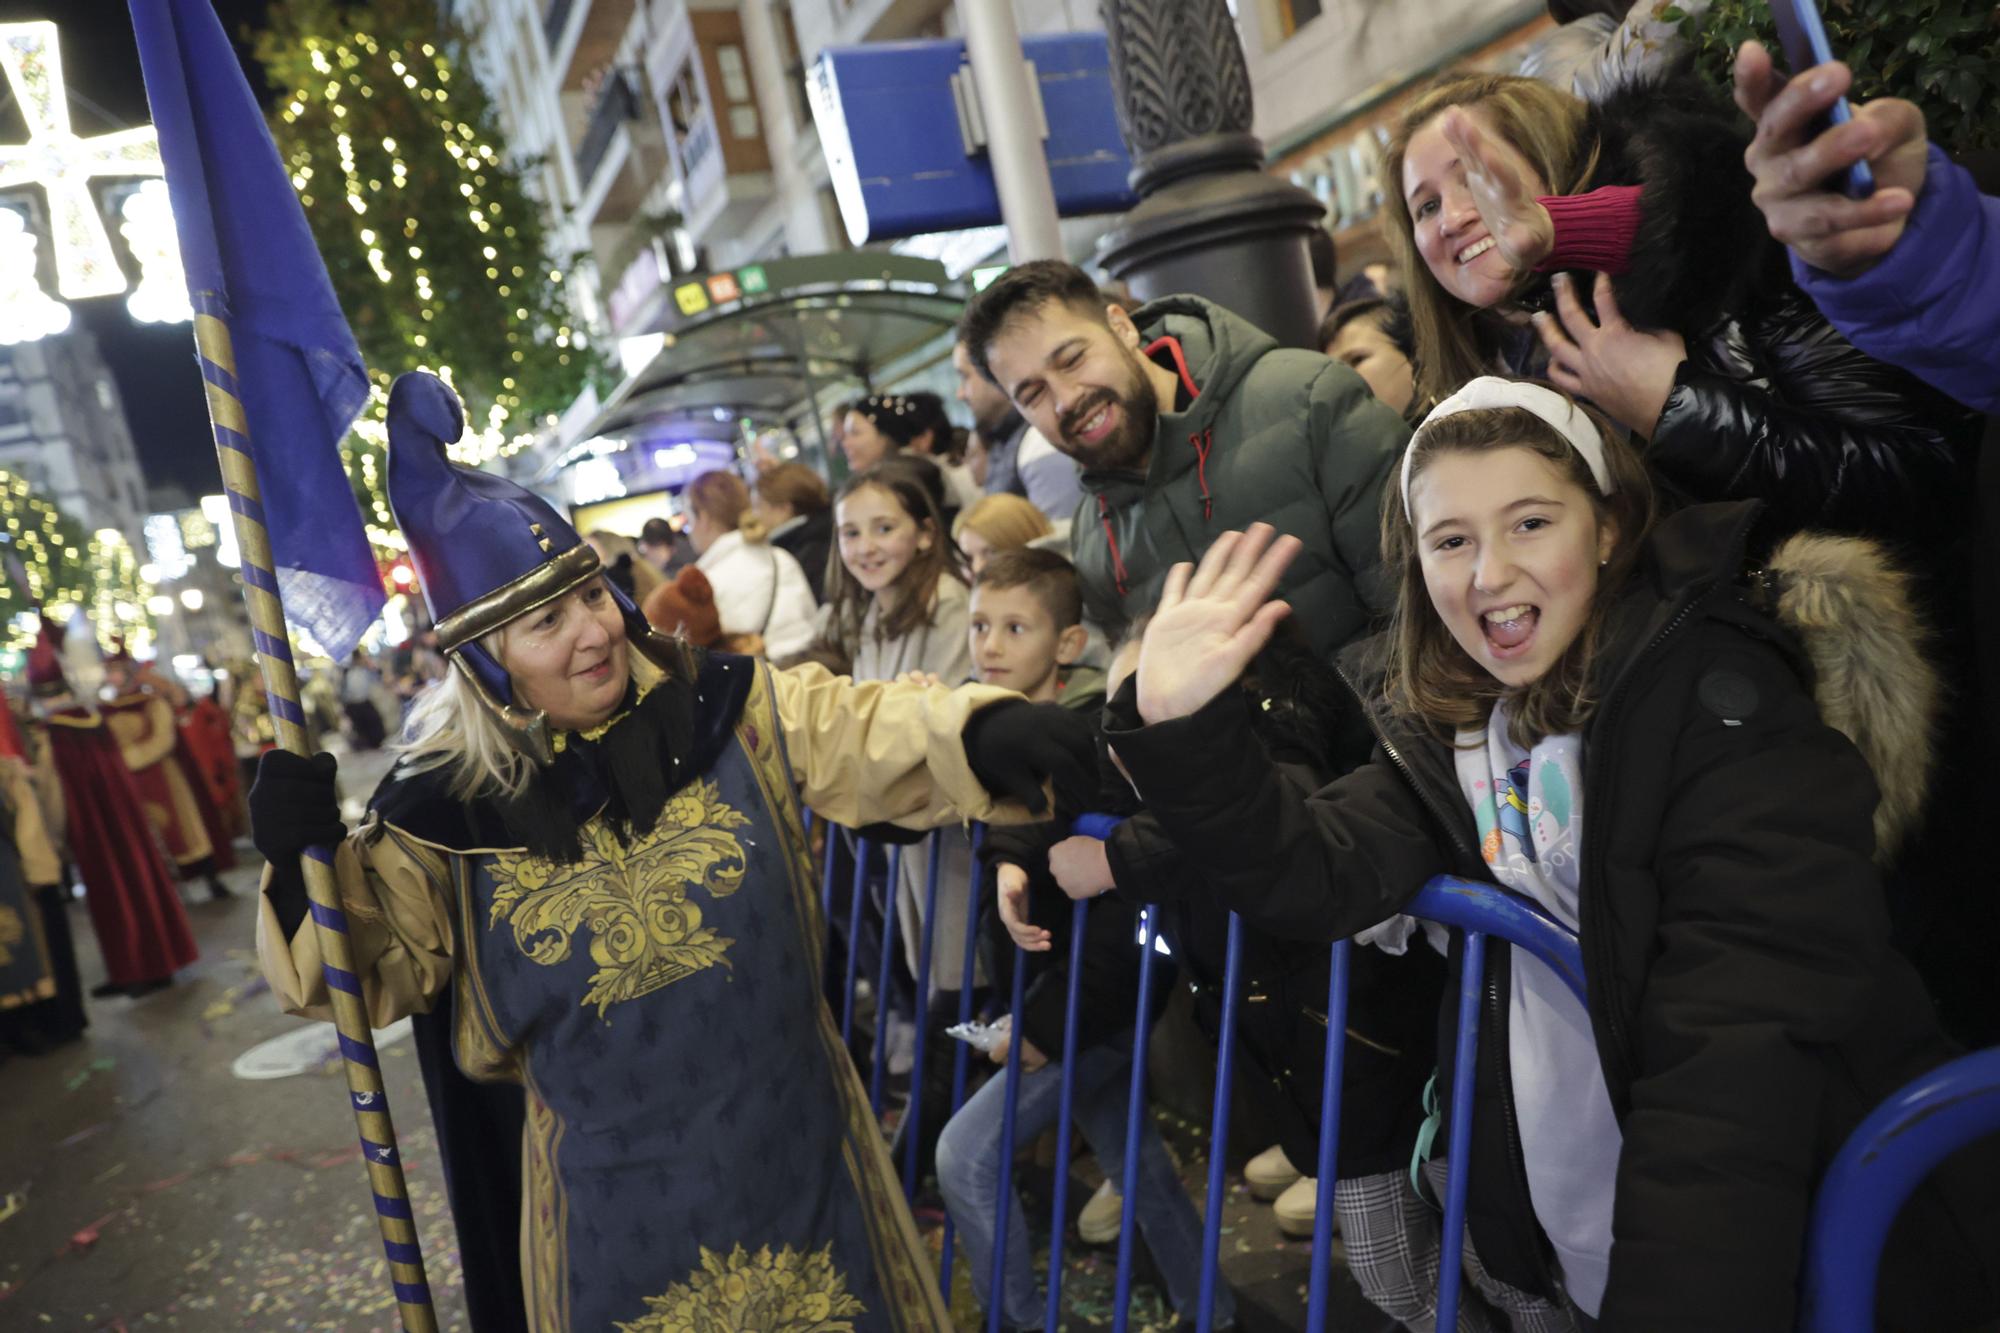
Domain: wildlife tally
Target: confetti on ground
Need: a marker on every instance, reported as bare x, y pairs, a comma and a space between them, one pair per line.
82, 1076
12, 1204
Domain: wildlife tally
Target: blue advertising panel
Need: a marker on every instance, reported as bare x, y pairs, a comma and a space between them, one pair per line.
891, 130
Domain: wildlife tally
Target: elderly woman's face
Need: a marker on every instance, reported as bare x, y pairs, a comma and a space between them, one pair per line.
568, 658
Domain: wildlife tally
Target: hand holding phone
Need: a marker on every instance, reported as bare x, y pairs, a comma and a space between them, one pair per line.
1798, 170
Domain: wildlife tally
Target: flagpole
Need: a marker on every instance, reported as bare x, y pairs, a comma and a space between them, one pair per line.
281, 694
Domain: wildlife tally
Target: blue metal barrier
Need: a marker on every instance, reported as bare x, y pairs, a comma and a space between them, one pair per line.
1882, 1163
879, 1065
913, 1117
1876, 1170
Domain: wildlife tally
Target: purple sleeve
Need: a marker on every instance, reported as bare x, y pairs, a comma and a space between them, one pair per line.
1932, 306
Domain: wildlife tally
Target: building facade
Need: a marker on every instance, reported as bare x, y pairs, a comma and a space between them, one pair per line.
63, 429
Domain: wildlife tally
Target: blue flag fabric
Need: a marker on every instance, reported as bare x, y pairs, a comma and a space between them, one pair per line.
250, 260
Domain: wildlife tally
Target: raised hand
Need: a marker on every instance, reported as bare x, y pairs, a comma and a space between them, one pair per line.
1211, 620
1502, 186
1792, 172
1014, 909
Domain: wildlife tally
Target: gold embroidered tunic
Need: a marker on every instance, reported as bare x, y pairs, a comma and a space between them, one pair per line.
699, 1153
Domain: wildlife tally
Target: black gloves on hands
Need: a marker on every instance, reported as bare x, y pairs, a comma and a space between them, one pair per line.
1015, 746
293, 805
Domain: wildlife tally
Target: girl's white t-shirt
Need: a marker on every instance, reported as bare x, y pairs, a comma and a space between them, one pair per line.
1528, 805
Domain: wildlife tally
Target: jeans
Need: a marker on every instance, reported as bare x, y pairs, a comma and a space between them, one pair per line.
968, 1168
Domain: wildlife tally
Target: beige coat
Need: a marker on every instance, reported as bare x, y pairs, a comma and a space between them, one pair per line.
861, 753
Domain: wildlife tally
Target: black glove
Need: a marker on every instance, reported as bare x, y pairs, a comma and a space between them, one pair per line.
1015, 746
293, 805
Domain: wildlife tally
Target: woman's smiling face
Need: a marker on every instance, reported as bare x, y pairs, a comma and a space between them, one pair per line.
1450, 236
568, 658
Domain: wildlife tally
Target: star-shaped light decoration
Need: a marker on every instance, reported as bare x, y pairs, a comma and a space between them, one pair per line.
64, 164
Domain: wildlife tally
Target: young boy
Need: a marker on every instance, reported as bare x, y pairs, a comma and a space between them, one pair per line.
1026, 629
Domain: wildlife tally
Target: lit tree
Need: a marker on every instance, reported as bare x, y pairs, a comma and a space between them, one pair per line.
64, 569
436, 250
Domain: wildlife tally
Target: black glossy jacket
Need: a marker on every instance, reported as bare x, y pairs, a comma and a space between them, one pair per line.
1772, 402
1746, 1005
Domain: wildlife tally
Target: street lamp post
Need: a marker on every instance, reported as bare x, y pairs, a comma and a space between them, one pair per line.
1210, 220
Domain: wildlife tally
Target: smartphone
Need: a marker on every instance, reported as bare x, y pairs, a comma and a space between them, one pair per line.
979, 1036
1803, 38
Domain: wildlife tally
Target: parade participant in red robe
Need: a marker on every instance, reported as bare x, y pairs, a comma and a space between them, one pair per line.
140, 716
41, 999
141, 929
206, 733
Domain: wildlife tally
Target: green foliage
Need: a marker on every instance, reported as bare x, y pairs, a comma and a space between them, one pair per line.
1944, 55
438, 253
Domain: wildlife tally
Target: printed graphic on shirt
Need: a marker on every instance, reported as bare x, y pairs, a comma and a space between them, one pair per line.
1526, 812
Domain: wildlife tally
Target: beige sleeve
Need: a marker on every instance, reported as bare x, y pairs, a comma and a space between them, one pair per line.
397, 898
145, 736
39, 864
882, 751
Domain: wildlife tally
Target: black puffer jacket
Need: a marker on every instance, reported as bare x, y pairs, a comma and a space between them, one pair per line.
1310, 726
1746, 1006
1771, 403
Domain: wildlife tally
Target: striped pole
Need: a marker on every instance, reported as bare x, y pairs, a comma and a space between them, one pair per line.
281, 694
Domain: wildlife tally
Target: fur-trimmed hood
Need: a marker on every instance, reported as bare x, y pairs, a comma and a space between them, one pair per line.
1855, 614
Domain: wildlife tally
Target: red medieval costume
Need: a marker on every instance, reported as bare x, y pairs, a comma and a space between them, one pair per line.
206, 736
41, 998
141, 928
171, 787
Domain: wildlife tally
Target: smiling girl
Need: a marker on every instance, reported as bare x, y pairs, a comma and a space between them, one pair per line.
1586, 708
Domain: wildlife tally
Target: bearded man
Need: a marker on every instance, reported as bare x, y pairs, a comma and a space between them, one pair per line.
1189, 422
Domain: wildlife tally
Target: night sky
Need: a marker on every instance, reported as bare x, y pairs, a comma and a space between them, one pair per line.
153, 363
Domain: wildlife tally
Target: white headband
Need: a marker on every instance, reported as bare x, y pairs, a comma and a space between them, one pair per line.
1487, 391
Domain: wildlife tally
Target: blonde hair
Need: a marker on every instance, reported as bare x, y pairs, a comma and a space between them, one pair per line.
1005, 522
1430, 678
1551, 129
449, 726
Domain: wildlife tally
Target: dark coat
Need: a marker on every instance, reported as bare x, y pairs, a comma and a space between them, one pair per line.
1772, 402
810, 543
1746, 1006
1269, 434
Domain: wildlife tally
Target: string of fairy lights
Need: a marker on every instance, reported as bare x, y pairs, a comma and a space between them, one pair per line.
348, 70
64, 570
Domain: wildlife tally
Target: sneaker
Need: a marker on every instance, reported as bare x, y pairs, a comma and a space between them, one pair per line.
1269, 1174
1295, 1207
1102, 1217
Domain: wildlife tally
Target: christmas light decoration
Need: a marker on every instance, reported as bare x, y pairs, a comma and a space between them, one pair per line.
161, 296
63, 164
63, 569
30, 313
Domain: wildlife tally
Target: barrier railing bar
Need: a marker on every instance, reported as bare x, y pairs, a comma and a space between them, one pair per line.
962, 1056
1058, 1213
1135, 1111
1321, 1271
890, 944
1469, 905
834, 836
854, 940
997, 1288
1218, 1124
1471, 982
1883, 1161
913, 1117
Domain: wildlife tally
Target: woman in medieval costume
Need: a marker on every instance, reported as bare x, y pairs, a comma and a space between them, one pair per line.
41, 999
143, 715
142, 930
592, 849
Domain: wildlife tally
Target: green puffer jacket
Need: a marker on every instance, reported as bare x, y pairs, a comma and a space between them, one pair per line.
1272, 435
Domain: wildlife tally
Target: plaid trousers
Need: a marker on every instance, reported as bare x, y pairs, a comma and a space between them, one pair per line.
1393, 1240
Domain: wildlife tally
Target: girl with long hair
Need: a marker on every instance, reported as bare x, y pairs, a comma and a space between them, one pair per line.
1593, 710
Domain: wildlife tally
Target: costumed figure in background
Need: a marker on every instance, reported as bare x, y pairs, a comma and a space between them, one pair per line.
172, 790
591, 852
41, 998
206, 736
142, 930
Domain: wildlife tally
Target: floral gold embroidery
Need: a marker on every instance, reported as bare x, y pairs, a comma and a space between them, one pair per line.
786, 1292
12, 931
645, 933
